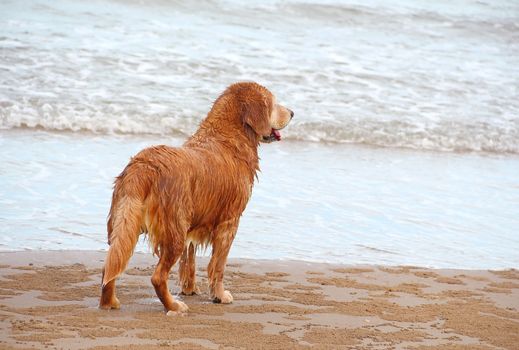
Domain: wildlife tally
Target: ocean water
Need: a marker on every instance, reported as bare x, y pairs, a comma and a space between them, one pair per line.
404, 148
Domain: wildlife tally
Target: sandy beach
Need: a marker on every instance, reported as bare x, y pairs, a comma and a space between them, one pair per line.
48, 299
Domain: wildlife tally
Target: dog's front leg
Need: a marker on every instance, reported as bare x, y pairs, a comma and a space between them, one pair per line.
222, 239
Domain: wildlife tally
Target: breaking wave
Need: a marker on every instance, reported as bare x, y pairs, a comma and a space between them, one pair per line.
457, 136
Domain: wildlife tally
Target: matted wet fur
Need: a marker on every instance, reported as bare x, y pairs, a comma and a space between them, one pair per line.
183, 197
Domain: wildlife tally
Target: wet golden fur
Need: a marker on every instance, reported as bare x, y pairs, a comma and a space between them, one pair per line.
191, 195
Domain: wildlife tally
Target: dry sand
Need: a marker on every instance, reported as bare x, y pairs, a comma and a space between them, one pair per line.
48, 300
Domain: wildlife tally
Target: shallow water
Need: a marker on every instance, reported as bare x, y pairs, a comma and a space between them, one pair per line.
404, 148
317, 202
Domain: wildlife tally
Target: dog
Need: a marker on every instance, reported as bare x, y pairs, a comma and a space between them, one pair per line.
192, 196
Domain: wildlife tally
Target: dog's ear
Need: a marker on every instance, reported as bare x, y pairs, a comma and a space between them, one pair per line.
256, 114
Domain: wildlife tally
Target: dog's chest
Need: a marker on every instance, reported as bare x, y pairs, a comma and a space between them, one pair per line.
225, 200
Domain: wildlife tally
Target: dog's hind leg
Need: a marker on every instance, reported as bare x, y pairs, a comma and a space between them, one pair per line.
108, 298
125, 226
223, 237
168, 239
187, 271
159, 280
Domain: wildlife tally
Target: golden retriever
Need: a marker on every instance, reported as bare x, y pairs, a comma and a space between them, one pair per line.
183, 197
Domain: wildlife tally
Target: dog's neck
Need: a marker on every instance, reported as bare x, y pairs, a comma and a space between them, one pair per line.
226, 130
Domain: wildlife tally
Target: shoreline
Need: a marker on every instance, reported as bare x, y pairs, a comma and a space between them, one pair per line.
363, 206
49, 299
52, 257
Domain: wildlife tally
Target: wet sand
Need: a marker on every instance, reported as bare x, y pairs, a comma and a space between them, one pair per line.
48, 299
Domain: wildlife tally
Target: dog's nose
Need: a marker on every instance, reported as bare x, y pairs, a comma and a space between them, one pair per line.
291, 113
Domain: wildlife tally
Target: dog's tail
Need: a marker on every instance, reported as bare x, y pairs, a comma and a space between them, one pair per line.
124, 227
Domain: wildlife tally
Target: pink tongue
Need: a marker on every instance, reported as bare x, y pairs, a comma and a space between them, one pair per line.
277, 135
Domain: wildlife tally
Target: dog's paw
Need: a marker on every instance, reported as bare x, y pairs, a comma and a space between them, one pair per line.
113, 304
226, 298
180, 308
171, 313
194, 291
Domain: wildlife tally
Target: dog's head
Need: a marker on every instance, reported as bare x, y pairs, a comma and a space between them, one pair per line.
261, 115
